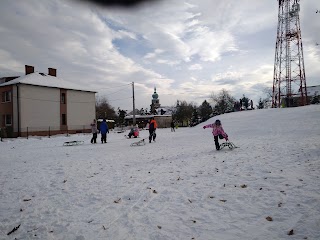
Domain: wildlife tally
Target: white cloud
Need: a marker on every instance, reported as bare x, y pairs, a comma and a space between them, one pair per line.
8, 63
154, 54
195, 67
168, 62
125, 34
161, 44
227, 75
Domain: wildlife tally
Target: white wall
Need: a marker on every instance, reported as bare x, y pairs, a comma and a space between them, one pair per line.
39, 108
15, 108
81, 109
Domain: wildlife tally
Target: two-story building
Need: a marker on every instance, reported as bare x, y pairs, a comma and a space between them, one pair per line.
38, 103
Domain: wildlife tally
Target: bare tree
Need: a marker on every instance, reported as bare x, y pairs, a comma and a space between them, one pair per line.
223, 102
267, 101
104, 109
268, 91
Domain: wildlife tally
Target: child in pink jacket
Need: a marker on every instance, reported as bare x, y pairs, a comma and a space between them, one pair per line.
218, 132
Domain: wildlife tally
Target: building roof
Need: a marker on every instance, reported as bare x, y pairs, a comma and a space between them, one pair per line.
146, 116
107, 120
45, 80
313, 90
138, 116
7, 79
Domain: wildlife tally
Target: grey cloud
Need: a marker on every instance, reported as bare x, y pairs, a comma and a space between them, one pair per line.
221, 36
226, 82
116, 3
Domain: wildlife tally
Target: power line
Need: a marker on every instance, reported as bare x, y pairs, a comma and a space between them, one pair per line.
116, 91
116, 86
119, 99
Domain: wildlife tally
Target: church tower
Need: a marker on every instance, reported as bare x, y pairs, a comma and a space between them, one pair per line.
154, 102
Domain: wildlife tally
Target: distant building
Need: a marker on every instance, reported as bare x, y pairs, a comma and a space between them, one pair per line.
165, 110
163, 121
163, 116
141, 120
109, 122
38, 103
313, 91
155, 103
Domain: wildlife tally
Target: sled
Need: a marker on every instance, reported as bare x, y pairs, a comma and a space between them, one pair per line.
73, 143
228, 144
127, 137
139, 143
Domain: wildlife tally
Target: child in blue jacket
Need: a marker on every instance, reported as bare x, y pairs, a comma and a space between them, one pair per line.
104, 130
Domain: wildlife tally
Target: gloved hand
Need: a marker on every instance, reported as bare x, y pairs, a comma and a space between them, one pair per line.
204, 127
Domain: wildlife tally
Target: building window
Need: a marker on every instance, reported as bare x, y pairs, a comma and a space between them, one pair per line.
7, 120
63, 98
64, 119
6, 96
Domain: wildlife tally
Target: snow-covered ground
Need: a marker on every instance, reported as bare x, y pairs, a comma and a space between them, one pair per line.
179, 187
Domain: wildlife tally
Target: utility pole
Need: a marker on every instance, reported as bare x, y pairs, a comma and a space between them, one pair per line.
134, 107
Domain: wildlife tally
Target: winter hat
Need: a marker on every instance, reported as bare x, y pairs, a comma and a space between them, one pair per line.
218, 122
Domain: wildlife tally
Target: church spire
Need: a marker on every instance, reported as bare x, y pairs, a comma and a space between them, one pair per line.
155, 94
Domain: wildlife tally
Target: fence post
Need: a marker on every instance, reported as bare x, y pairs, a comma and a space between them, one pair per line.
27, 132
49, 131
83, 129
67, 131
1, 134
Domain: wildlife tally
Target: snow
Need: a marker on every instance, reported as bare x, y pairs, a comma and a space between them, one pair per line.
178, 187
45, 80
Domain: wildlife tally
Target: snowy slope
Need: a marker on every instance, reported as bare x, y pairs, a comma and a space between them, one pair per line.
179, 187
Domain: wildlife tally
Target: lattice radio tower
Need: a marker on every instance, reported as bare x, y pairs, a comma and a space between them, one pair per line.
289, 79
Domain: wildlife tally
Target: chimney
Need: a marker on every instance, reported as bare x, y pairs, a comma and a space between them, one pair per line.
29, 69
52, 72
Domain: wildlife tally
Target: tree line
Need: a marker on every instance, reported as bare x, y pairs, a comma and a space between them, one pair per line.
187, 113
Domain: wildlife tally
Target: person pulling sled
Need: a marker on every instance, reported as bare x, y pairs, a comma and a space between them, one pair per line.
152, 130
218, 132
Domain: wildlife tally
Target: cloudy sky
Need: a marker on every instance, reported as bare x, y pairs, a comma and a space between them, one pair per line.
187, 49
